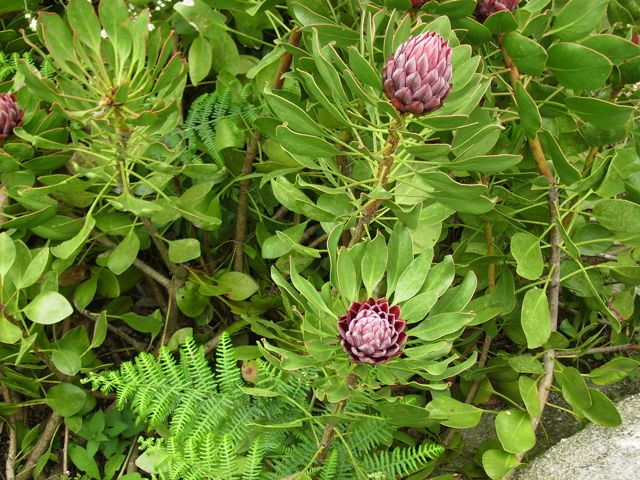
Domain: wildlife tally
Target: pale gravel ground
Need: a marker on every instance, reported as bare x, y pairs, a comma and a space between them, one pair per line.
595, 452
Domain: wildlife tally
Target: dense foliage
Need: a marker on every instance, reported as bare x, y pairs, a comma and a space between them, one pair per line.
399, 216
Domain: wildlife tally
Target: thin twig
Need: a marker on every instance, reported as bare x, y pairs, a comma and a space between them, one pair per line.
555, 242
247, 165
40, 446
280, 212
131, 462
171, 316
625, 347
141, 347
475, 386
162, 303
327, 435
139, 264
4, 200
318, 241
12, 450
65, 451
243, 203
308, 233
211, 345
486, 345
158, 242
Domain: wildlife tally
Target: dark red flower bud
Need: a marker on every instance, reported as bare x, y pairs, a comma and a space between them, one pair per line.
484, 8
416, 77
10, 114
372, 331
635, 39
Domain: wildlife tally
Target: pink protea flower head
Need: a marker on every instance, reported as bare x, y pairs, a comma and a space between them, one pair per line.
10, 114
484, 8
416, 78
372, 331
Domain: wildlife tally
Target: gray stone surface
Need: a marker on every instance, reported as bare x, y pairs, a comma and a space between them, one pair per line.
593, 453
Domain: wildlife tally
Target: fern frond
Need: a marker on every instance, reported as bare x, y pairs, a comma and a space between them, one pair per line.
402, 461
228, 458
229, 375
329, 469
293, 459
194, 362
369, 433
253, 464
221, 106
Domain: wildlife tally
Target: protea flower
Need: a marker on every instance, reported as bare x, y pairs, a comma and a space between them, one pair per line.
484, 8
371, 331
416, 77
10, 114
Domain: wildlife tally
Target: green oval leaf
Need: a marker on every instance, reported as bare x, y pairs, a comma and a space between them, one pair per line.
618, 215
602, 114
184, 250
7, 253
527, 55
374, 263
535, 317
123, 256
66, 399
515, 431
67, 361
497, 463
48, 308
200, 56
578, 67
525, 248
578, 18
453, 413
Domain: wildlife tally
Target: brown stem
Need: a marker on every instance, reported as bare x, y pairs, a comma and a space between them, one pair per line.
131, 463
10, 465
247, 165
171, 317
40, 446
626, 347
211, 345
308, 233
473, 390
280, 212
159, 243
318, 241
155, 290
484, 353
327, 436
243, 203
4, 201
139, 264
65, 450
383, 171
488, 238
12, 450
555, 241
141, 347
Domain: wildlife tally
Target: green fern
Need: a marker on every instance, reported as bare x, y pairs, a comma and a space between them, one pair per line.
402, 461
9, 65
213, 429
329, 469
253, 464
206, 111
